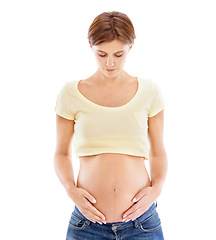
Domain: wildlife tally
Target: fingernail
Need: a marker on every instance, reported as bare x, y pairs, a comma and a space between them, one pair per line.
103, 218
134, 200
124, 216
94, 201
104, 222
100, 223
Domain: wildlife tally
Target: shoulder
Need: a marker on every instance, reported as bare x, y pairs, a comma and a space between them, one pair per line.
69, 87
70, 84
150, 84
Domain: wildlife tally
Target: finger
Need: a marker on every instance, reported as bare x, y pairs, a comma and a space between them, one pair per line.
98, 219
132, 209
139, 195
98, 215
91, 216
132, 215
142, 209
94, 210
90, 197
95, 218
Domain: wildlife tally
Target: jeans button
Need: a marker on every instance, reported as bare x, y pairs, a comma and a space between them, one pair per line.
114, 227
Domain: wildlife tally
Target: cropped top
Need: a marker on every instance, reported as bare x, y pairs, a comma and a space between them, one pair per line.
100, 129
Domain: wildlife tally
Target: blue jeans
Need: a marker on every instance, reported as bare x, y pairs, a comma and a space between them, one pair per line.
146, 226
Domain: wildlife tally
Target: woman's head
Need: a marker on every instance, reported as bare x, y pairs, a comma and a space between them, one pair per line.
109, 26
111, 36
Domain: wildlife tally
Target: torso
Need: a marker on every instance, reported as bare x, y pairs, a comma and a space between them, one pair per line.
112, 178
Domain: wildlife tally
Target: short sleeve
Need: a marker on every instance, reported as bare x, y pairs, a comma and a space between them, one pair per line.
62, 107
157, 101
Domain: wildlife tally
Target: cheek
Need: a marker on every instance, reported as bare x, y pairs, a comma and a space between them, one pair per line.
121, 61
100, 61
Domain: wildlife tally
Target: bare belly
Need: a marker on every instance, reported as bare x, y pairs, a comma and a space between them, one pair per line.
113, 180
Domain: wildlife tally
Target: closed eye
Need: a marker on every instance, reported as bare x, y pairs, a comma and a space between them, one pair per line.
115, 55
119, 55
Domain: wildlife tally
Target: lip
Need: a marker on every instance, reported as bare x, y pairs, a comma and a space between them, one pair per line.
110, 70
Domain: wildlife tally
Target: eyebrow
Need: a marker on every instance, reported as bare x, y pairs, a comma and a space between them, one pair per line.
115, 52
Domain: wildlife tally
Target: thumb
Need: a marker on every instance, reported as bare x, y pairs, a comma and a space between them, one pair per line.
139, 195
90, 197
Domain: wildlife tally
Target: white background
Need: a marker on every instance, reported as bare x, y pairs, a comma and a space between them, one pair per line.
43, 44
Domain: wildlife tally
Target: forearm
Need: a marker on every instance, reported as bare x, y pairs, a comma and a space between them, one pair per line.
64, 170
158, 170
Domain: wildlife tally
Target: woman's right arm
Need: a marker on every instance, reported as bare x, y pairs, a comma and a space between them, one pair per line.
64, 170
62, 157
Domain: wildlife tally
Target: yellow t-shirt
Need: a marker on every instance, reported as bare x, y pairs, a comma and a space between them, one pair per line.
99, 129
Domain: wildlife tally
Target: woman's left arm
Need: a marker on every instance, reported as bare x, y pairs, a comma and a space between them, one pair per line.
158, 169
157, 155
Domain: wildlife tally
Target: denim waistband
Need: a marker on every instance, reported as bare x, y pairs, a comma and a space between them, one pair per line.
120, 225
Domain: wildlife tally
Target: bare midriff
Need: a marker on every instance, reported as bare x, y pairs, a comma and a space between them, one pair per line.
113, 180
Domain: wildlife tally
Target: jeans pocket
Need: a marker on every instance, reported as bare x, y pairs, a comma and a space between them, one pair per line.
76, 222
141, 118
151, 223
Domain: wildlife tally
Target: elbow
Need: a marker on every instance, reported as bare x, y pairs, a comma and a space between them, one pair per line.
160, 153
60, 159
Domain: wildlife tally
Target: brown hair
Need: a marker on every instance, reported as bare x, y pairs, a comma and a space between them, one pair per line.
109, 26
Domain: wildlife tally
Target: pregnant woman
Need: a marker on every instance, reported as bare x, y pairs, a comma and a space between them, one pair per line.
116, 123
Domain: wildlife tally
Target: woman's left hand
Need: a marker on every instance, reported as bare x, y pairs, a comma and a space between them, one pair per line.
142, 201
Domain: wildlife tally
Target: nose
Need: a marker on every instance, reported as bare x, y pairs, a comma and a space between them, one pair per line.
110, 62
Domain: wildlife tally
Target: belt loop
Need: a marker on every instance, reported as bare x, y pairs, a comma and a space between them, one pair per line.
87, 222
136, 223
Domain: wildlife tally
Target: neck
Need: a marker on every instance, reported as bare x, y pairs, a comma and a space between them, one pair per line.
103, 79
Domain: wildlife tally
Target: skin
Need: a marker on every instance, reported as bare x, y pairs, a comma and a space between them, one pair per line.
111, 55
104, 88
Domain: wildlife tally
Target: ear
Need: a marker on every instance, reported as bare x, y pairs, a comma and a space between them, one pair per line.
131, 45
90, 45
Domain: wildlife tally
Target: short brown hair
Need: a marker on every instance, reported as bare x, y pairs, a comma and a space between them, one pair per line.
109, 26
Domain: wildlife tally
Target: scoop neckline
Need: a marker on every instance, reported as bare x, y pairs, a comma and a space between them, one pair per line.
105, 107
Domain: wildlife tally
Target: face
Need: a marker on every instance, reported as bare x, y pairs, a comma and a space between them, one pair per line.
111, 56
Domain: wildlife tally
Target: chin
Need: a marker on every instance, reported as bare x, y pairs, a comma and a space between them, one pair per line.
111, 74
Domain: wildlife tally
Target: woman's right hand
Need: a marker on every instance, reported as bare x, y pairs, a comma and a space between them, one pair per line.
83, 200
